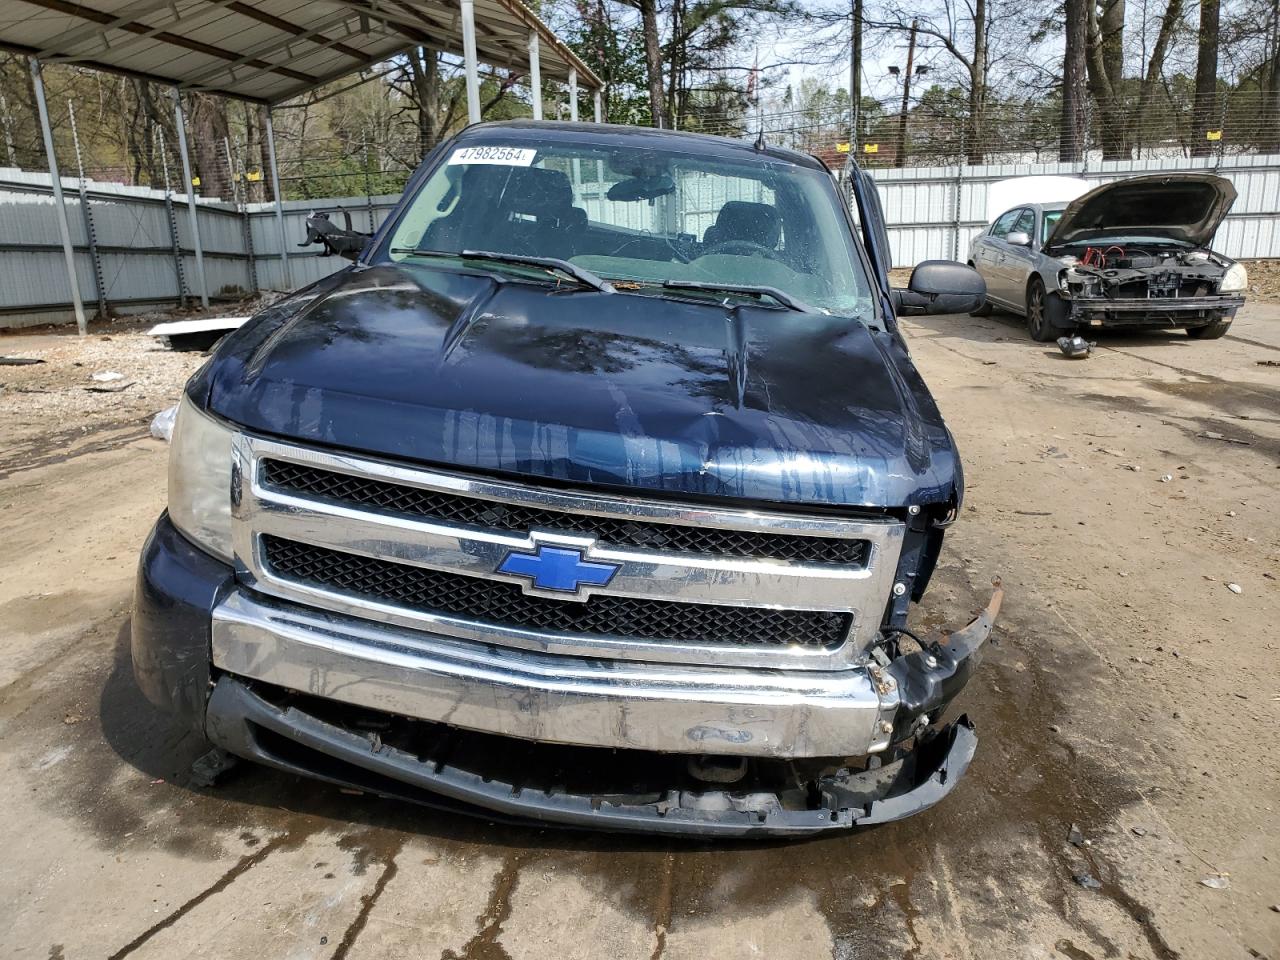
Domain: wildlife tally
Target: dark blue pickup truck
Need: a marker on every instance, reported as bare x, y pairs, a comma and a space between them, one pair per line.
596, 491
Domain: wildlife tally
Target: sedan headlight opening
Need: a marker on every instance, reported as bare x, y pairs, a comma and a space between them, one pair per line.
1235, 280
200, 480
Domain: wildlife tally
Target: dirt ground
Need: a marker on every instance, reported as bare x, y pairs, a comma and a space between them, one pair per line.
1128, 691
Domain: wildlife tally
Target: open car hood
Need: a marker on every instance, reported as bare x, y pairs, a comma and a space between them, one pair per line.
1180, 206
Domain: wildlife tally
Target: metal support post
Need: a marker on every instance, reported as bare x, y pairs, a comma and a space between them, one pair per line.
191, 196
573, 95
535, 75
90, 233
597, 105
239, 197
64, 228
171, 216
275, 191
469, 60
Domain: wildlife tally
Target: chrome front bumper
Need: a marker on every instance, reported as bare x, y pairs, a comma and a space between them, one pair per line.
555, 698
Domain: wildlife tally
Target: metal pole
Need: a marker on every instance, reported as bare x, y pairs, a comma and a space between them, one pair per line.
597, 105
90, 234
191, 195
901, 159
64, 228
855, 64
275, 191
469, 60
573, 95
173, 220
239, 194
535, 75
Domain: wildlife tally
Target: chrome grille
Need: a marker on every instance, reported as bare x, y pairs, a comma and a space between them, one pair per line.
426, 549
492, 601
667, 537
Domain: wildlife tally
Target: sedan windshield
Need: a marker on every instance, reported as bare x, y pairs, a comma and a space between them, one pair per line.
640, 218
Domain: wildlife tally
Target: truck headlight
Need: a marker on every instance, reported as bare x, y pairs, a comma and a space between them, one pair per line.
200, 480
1235, 280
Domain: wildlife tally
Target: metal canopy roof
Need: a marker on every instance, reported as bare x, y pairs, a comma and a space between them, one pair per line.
267, 51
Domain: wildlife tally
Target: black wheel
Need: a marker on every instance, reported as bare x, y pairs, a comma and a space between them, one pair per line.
1037, 318
1214, 331
985, 309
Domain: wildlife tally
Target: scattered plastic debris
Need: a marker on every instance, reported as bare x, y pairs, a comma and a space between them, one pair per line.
1088, 881
1075, 347
19, 361
1217, 881
107, 376
1166, 478
1268, 363
199, 334
1132, 466
1138, 831
1235, 588
1074, 836
110, 387
162, 423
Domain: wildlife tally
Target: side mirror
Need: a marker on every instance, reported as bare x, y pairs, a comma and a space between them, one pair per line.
1018, 239
941, 286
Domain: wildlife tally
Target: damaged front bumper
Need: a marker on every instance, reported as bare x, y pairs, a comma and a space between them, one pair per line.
1151, 312
353, 701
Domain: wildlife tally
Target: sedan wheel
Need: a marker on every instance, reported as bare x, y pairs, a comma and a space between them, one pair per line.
1037, 322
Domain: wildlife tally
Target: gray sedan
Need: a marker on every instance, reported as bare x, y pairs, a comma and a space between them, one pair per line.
1132, 253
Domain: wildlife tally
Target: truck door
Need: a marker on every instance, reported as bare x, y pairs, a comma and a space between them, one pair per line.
870, 219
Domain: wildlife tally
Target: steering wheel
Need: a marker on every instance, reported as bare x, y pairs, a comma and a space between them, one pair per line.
743, 248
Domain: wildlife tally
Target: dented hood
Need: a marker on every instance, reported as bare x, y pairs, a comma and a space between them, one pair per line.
627, 390
1180, 206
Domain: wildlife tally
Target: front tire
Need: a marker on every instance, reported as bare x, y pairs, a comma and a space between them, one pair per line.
1214, 331
1037, 315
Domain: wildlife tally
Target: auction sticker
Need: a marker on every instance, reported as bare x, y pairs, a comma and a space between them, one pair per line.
504, 156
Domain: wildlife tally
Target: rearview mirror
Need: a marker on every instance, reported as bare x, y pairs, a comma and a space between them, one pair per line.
1018, 239
940, 286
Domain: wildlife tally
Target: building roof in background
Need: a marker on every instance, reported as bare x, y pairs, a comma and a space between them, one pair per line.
268, 51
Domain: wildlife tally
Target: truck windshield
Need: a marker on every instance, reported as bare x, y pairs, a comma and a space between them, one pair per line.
640, 218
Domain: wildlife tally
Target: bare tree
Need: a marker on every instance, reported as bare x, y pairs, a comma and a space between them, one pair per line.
1105, 70
1205, 115
1071, 140
1155, 67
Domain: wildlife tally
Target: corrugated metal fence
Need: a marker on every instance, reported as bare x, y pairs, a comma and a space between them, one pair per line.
136, 240
933, 212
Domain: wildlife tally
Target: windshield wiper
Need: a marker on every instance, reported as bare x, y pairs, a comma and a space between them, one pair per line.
750, 289
584, 277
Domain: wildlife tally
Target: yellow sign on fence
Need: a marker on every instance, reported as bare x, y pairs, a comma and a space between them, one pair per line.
842, 148
1213, 134
254, 175
871, 148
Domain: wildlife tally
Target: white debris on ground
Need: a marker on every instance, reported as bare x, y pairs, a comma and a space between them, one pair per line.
79, 385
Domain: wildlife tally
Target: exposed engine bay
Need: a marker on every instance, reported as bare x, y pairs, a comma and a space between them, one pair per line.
1147, 272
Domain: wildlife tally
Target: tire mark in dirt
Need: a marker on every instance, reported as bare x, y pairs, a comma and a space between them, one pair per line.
484, 945
246, 863
18, 460
369, 900
662, 912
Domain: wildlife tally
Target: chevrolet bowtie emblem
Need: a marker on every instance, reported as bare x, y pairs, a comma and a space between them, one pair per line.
561, 569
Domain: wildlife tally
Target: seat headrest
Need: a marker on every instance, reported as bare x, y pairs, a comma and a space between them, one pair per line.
537, 192
742, 220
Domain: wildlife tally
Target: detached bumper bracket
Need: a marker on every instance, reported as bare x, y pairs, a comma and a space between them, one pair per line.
929, 679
